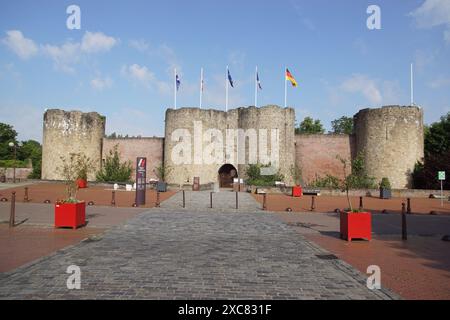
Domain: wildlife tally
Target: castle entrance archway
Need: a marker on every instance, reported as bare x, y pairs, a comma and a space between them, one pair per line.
227, 173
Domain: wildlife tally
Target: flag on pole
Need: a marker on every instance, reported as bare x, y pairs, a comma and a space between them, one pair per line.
257, 81
290, 78
230, 79
178, 82
201, 87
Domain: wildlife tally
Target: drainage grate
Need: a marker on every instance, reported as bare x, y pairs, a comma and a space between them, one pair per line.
326, 256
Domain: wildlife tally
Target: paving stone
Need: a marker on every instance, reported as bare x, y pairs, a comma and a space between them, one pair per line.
193, 253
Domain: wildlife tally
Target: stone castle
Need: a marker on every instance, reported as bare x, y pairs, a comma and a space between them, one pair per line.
390, 138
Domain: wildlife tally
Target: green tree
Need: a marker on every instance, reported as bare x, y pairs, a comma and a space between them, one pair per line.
343, 125
437, 136
113, 169
7, 135
310, 126
437, 156
31, 149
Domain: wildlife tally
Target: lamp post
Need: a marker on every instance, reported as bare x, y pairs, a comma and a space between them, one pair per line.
14, 146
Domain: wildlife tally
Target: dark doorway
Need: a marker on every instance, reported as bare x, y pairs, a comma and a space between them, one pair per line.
226, 175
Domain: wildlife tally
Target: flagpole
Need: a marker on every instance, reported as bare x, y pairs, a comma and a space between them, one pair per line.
412, 85
201, 86
226, 91
285, 88
175, 87
256, 87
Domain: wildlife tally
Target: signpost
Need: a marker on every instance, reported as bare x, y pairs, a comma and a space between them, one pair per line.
141, 175
441, 177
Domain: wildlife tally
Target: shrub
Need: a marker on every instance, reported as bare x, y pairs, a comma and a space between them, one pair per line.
10, 164
70, 171
385, 183
255, 177
162, 171
328, 181
114, 170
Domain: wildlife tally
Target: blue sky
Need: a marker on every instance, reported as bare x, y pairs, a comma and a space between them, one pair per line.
120, 63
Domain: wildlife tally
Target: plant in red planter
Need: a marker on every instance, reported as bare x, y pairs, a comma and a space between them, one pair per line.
296, 173
83, 166
71, 212
354, 223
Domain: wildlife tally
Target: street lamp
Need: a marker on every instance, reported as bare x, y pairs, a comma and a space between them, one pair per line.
13, 145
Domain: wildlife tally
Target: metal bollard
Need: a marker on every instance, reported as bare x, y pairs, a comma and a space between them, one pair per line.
408, 206
157, 199
313, 203
113, 198
184, 200
361, 203
12, 216
237, 200
210, 200
25, 197
404, 228
265, 202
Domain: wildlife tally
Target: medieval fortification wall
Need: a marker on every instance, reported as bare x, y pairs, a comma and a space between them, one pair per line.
198, 142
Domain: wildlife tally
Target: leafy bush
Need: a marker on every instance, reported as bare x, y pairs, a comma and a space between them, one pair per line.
70, 171
255, 177
162, 171
114, 170
297, 175
328, 181
10, 164
385, 183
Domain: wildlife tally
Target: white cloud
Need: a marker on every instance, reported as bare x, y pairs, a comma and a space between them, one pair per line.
142, 75
23, 47
358, 83
64, 57
433, 13
140, 45
94, 42
101, 83
440, 82
447, 36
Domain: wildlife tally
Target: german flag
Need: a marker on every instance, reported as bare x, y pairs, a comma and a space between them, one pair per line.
290, 78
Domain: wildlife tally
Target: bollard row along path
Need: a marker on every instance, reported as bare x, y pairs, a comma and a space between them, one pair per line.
194, 253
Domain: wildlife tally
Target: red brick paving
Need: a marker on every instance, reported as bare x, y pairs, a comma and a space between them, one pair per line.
101, 196
279, 202
418, 268
22, 244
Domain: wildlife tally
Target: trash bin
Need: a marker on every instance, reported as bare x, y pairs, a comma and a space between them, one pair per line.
161, 186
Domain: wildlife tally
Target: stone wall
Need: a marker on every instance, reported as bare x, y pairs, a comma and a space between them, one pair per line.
391, 140
131, 148
193, 122
316, 154
70, 132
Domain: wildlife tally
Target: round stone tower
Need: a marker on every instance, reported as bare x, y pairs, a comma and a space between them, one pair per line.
204, 143
71, 132
276, 137
391, 139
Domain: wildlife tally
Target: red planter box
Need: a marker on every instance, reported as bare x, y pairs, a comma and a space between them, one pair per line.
356, 225
72, 215
297, 191
81, 183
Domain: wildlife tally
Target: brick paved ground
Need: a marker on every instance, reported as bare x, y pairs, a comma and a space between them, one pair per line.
171, 253
418, 268
279, 202
101, 195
